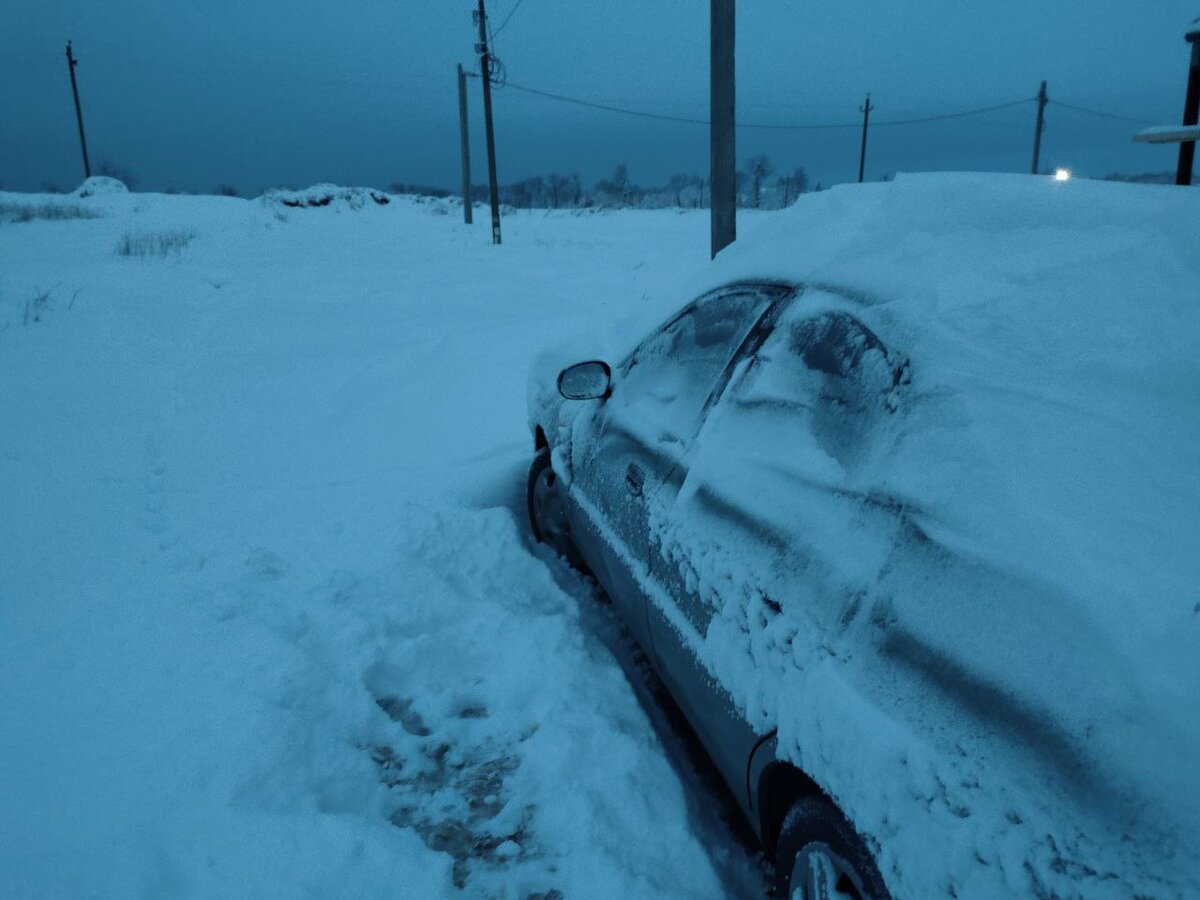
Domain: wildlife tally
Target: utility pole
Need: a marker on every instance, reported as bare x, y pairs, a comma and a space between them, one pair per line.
722, 139
865, 109
466, 144
485, 71
1191, 108
72, 62
1042, 100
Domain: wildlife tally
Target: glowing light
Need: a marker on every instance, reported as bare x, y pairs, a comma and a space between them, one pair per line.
1062, 174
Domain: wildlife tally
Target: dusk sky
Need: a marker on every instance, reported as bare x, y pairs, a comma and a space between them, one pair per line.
254, 93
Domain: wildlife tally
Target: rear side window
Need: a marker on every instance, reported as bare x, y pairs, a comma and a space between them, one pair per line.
822, 379
844, 359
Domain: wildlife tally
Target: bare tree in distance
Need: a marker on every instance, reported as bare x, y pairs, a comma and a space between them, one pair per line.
784, 184
793, 185
677, 184
616, 188
757, 170
560, 186
800, 180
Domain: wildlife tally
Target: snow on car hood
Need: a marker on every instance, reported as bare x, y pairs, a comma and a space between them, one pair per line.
998, 620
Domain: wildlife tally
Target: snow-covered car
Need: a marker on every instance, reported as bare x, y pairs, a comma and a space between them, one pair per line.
903, 507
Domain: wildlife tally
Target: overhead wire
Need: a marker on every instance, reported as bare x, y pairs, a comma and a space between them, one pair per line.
512, 12
499, 79
1101, 113
799, 126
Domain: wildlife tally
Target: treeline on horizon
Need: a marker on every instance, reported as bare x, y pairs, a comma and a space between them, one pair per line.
759, 186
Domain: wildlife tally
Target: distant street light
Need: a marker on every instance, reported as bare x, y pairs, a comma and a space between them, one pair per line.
1062, 174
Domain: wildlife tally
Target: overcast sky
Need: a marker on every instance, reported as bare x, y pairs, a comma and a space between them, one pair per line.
253, 93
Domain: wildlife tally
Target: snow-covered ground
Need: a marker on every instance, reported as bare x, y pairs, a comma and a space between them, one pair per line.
270, 624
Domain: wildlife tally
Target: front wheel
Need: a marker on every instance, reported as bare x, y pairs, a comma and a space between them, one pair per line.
547, 518
819, 856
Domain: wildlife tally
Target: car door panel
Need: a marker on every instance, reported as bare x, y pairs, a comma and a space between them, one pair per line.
679, 614
790, 417
634, 440
608, 506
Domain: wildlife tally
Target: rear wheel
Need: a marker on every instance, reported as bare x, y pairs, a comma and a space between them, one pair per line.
819, 856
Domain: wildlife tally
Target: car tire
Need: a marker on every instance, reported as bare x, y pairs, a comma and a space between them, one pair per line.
819, 856
547, 519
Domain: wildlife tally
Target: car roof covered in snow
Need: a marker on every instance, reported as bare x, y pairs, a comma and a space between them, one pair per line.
1048, 449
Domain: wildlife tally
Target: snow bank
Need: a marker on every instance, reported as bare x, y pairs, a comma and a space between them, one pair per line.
100, 186
982, 636
324, 195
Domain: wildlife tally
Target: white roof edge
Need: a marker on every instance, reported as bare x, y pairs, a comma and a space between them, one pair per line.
1168, 134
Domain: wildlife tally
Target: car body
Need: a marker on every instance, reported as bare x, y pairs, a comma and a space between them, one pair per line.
818, 542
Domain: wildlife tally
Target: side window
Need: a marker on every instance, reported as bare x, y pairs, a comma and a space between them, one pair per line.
822, 377
666, 381
848, 363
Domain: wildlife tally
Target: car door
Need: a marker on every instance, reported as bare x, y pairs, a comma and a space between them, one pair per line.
797, 399
626, 449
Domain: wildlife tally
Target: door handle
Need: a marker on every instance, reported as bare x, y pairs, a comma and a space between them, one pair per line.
635, 479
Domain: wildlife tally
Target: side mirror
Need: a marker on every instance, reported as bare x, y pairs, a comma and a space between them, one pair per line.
586, 381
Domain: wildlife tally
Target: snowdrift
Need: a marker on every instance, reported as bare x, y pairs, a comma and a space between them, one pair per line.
989, 643
325, 195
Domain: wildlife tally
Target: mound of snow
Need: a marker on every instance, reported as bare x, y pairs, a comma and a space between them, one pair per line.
99, 186
990, 655
325, 195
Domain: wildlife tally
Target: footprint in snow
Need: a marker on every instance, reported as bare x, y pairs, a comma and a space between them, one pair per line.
456, 798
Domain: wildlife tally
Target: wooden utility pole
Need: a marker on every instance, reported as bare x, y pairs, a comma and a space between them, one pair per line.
72, 62
723, 145
865, 109
485, 71
466, 144
1042, 99
1191, 108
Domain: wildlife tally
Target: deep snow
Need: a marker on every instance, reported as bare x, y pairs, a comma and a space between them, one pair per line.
269, 621
270, 625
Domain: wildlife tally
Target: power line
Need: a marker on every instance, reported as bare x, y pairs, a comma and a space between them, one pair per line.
512, 12
604, 106
959, 115
761, 125
1106, 115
